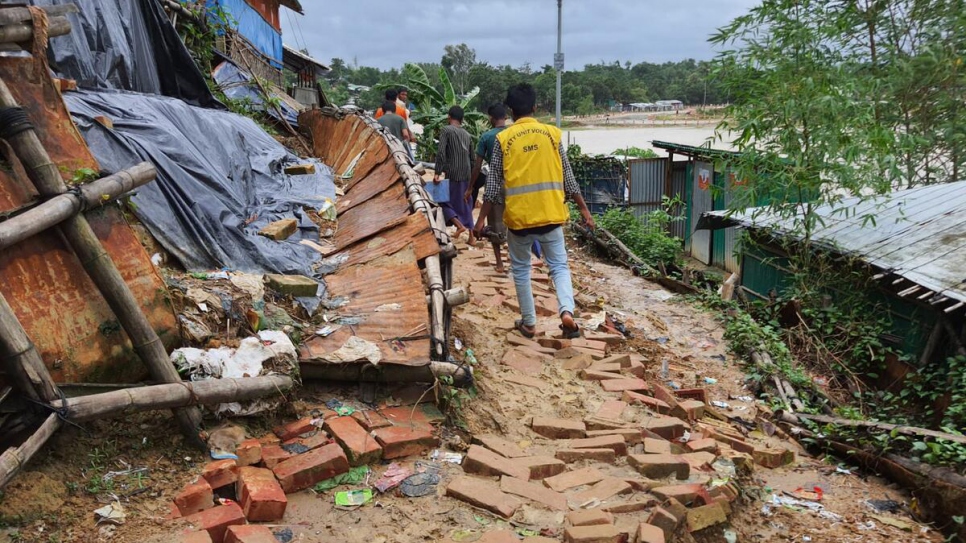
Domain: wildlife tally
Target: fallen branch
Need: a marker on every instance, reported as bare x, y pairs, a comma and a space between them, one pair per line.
886, 427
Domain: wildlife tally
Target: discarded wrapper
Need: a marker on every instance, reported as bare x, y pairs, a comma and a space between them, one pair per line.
353, 498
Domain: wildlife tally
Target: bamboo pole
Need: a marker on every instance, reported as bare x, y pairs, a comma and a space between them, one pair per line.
171, 396
14, 460
388, 373
886, 427
59, 208
23, 32
21, 360
454, 297
14, 15
101, 269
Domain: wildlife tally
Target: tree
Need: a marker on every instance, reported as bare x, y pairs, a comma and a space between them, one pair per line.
458, 60
338, 69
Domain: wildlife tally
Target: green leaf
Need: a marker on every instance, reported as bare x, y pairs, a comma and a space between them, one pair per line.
449, 94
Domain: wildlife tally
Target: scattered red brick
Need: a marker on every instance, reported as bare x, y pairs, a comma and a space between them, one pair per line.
659, 466
195, 497
620, 385
614, 442
486, 462
401, 441
220, 473
273, 455
687, 494
600, 365
195, 537
558, 428
216, 520
312, 442
623, 359
541, 467
693, 409
651, 403
500, 446
359, 446
534, 492
699, 460
553, 343
606, 456
484, 494
607, 488
582, 343
578, 362
609, 339
249, 533
773, 458
656, 446
260, 495
295, 429
699, 394
631, 436
307, 469
662, 393
571, 479
407, 416
522, 361
370, 420
520, 341
630, 507
249, 452
665, 521
591, 374
707, 444
590, 517
592, 534
706, 516
648, 533
637, 369
669, 428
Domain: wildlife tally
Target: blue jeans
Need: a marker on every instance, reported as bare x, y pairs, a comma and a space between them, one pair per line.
555, 255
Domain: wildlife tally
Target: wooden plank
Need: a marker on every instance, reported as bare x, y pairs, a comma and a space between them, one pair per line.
372, 216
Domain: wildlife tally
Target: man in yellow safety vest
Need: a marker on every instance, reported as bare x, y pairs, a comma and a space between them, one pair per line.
530, 166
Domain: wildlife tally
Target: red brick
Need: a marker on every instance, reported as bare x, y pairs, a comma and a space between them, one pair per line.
484, 494
699, 394
603, 490
591, 517
620, 385
523, 361
607, 456
669, 428
407, 417
273, 455
591, 374
295, 429
611, 409
665, 521
249, 452
636, 369
582, 343
692, 408
624, 360
648, 533
401, 441
707, 444
558, 428
571, 479
196, 496
492, 301
609, 339
630, 507
592, 534
687, 494
249, 533
173, 512
312, 442
195, 537
576, 363
220, 473
500, 446
499, 536
360, 447
699, 460
216, 520
370, 420
632, 436
656, 446
614, 442
609, 367
706, 516
541, 467
662, 393
260, 495
554, 343
659, 466
486, 462
269, 439
519, 341
305, 470
534, 492
651, 403
593, 423
773, 458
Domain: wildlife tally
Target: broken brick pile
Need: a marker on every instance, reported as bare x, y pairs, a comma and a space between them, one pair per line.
230, 494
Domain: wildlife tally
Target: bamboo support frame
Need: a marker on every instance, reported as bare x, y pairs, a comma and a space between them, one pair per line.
60, 208
454, 297
21, 360
13, 460
14, 15
101, 269
24, 32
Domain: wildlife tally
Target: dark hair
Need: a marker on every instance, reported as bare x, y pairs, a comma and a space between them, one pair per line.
391, 95
388, 107
521, 99
497, 111
456, 113
402, 90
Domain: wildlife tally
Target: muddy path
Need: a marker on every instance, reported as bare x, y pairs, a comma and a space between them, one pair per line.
54, 499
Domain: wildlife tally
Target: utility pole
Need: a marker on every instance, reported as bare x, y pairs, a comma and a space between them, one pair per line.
558, 59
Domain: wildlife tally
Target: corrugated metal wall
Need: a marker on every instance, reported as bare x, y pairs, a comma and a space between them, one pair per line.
679, 187
732, 262
702, 200
647, 177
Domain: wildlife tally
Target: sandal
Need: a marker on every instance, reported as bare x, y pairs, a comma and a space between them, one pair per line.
518, 324
570, 333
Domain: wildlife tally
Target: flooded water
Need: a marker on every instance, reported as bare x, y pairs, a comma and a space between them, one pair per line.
607, 140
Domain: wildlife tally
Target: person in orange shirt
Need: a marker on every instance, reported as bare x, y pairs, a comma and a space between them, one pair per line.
391, 96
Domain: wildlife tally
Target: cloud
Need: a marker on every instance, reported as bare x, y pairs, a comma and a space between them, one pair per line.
386, 33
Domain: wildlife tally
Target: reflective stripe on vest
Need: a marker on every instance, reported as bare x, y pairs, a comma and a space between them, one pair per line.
534, 175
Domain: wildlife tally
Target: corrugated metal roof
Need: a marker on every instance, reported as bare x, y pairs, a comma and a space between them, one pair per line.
919, 234
693, 151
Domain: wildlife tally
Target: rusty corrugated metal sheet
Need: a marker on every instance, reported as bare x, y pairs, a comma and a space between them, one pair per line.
63, 313
380, 242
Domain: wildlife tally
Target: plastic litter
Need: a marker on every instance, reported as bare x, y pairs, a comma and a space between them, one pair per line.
884, 506
294, 448
724, 467
353, 498
731, 536
449, 457
110, 514
710, 381
328, 211
466, 535
894, 522
721, 405
471, 357
867, 525
284, 535
458, 344
674, 385
393, 477
420, 484
665, 368
345, 411
813, 494
354, 476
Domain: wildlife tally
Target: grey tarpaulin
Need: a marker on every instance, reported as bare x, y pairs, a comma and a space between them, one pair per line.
220, 180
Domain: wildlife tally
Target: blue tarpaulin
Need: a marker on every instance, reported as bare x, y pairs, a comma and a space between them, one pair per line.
250, 24
237, 85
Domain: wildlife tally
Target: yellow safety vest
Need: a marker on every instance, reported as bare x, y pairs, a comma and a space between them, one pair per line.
533, 174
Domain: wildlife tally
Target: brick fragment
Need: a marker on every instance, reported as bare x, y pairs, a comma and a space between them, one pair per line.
305, 470
195, 537
541, 467
665, 520
499, 445
484, 494
534, 492
700, 394
196, 496
611, 409
699, 460
571, 479
631, 506
359, 446
707, 444
648, 533
260, 495
273, 455
591, 374
662, 393
402, 441
249, 452
669, 428
659, 466
279, 230
578, 362
692, 408
593, 423
370, 420
607, 488
216, 520
590, 517
651, 403
706, 516
292, 285
295, 429
522, 361
407, 416
736, 444
620, 385
311, 442
614, 441
656, 446
558, 428
687, 494
624, 360
606, 456
773, 458
592, 534
483, 461
249, 533
553, 343
632, 436
220, 473
582, 343
609, 367
609, 339
520, 341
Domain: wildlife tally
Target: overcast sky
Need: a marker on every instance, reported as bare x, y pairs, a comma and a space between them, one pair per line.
387, 33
